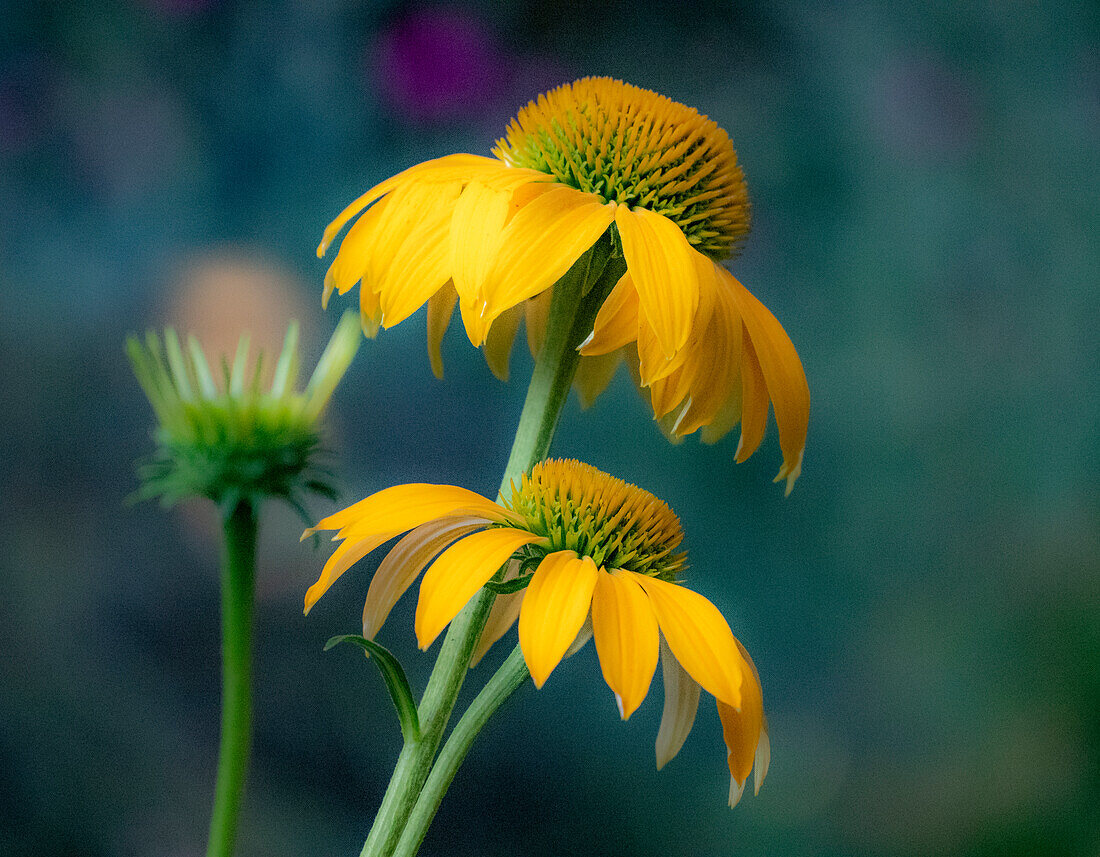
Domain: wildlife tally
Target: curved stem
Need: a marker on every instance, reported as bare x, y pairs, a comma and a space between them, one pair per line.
506, 681
576, 298
237, 581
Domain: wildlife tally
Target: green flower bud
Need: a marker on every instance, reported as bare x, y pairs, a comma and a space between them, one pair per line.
227, 438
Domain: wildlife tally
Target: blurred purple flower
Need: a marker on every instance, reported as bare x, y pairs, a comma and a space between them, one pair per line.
436, 63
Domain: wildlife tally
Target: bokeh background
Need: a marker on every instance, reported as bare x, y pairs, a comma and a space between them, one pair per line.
924, 609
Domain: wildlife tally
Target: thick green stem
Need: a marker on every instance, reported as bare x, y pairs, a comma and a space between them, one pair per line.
506, 681
576, 299
238, 575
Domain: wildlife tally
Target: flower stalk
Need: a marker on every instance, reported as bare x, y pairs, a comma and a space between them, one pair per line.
238, 574
576, 299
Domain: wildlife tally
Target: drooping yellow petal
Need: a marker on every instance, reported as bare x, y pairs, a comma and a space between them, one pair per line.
498, 342
741, 729
754, 402
617, 321
661, 264
718, 373
728, 415
666, 393
653, 363
763, 757
539, 245
440, 308
783, 373
344, 557
404, 563
593, 376
375, 520
370, 311
681, 704
448, 168
502, 616
553, 611
403, 507
421, 263
459, 573
625, 630
699, 636
536, 315
477, 225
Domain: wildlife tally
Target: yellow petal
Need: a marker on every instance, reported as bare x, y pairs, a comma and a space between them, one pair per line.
357, 260
741, 728
422, 262
537, 314
783, 373
448, 168
477, 225
539, 245
403, 507
617, 321
343, 558
593, 376
370, 312
666, 393
554, 609
763, 757
754, 402
440, 307
681, 704
653, 363
728, 415
699, 637
625, 631
663, 269
498, 343
459, 573
404, 563
717, 377
502, 616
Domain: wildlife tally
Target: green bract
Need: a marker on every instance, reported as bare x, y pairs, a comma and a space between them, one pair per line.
227, 438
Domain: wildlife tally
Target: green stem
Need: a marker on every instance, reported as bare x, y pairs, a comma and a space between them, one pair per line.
576, 299
506, 681
238, 575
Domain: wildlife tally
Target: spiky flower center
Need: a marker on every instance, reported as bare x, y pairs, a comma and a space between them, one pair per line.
638, 148
577, 507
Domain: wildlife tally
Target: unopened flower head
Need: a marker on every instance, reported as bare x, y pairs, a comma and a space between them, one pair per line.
593, 164
578, 554
222, 435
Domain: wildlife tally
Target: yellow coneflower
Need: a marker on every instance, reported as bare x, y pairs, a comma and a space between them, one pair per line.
495, 233
600, 558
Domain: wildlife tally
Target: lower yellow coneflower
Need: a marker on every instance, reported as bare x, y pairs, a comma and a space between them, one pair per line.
596, 557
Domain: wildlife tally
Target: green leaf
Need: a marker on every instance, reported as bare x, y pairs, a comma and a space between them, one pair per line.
506, 587
396, 682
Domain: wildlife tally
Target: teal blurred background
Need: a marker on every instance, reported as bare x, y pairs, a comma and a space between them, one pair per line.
924, 609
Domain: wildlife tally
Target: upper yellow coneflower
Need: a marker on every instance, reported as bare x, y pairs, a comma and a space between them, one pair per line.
596, 557
495, 234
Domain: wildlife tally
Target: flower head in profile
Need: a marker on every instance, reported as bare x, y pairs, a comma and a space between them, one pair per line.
494, 234
578, 554
228, 438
